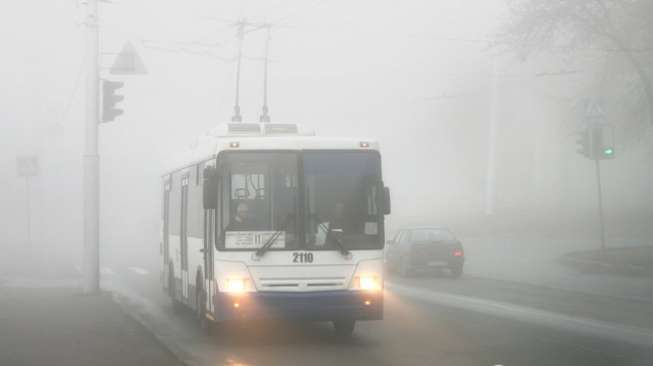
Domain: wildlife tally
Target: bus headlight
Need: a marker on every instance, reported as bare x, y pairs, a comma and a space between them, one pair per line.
367, 283
235, 285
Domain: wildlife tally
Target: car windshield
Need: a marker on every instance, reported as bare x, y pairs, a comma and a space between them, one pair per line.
433, 235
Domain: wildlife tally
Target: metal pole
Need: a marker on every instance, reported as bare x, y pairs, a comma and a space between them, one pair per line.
240, 34
600, 200
91, 156
265, 117
29, 213
492, 134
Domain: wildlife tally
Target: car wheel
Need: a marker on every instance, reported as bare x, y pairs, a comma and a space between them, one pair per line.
344, 328
456, 270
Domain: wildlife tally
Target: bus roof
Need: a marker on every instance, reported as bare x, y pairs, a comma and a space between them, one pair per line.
263, 136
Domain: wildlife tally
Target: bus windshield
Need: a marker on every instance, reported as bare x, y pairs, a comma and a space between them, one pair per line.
342, 193
260, 197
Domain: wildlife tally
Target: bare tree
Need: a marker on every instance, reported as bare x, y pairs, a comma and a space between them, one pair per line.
613, 28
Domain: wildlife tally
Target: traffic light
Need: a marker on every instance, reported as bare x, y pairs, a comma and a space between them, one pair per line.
607, 152
110, 99
602, 149
593, 144
584, 143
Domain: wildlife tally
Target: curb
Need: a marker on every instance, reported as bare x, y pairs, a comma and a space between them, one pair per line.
605, 267
135, 312
606, 330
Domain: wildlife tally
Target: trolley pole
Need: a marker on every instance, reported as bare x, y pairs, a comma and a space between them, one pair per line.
265, 111
91, 237
240, 35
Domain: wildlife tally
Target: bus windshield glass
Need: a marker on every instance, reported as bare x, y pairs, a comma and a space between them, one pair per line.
342, 191
261, 199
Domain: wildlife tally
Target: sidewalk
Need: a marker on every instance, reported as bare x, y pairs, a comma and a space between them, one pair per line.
628, 261
538, 262
61, 326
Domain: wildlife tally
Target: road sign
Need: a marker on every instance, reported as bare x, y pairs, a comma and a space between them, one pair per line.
27, 165
594, 109
128, 62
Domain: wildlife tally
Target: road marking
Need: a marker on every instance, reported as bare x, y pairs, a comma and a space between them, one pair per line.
139, 270
633, 335
106, 271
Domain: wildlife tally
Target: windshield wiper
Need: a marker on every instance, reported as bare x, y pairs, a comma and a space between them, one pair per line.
268, 244
344, 251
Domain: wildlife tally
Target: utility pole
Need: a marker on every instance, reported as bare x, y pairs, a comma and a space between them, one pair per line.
29, 213
596, 142
27, 166
492, 135
265, 116
600, 200
91, 258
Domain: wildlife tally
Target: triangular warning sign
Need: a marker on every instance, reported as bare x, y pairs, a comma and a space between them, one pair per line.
594, 109
128, 62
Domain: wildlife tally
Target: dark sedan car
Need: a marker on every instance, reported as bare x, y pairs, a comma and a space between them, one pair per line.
425, 249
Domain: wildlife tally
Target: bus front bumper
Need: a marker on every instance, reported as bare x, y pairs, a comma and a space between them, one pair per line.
310, 306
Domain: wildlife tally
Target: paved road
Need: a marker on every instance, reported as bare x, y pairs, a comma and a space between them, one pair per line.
429, 321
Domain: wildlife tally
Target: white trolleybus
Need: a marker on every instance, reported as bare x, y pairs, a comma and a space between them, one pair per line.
271, 221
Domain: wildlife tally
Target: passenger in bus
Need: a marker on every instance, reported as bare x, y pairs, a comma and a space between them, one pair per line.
242, 220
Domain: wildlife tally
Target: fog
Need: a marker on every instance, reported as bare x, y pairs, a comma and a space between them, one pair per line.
424, 78
492, 254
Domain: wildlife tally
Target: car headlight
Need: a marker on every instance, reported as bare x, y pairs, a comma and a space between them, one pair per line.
367, 283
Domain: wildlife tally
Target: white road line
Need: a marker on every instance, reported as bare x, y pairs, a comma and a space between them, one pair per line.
633, 335
139, 270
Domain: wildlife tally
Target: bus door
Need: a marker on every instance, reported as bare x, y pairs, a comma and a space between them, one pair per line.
166, 228
184, 236
209, 232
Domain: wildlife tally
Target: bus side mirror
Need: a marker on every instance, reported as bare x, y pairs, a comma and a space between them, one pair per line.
387, 206
210, 188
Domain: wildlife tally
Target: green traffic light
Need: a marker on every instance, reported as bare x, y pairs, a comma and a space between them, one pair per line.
608, 151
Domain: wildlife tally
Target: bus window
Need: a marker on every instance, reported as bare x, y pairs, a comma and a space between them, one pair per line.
261, 198
341, 199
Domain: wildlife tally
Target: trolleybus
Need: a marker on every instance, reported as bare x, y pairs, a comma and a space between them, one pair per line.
270, 221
